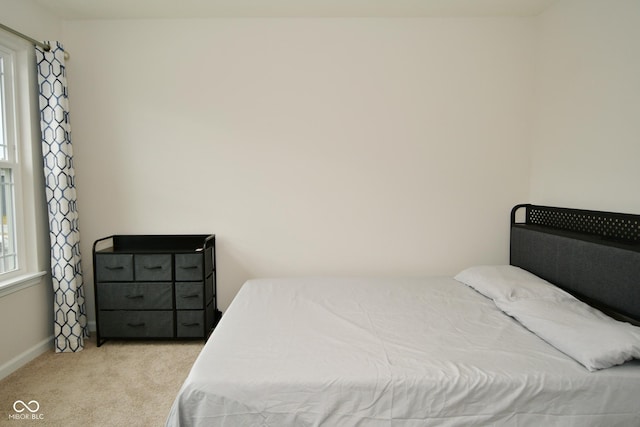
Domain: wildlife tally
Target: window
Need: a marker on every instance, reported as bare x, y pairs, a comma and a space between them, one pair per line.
9, 166
19, 181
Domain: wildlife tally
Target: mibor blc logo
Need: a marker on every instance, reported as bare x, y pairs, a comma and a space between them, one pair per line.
26, 411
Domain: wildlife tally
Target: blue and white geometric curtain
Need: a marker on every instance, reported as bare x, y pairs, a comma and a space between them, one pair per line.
70, 319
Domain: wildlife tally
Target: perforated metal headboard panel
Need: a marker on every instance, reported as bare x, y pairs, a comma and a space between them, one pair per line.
605, 225
594, 255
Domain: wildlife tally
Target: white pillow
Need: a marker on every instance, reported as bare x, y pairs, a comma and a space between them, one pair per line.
578, 330
507, 282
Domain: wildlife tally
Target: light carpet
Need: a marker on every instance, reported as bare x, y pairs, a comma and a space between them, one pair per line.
121, 383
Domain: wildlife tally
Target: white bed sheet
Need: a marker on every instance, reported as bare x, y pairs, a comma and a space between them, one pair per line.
390, 352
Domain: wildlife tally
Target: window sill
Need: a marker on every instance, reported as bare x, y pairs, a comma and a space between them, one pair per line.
18, 283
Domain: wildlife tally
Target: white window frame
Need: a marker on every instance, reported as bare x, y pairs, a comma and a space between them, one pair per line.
24, 125
10, 161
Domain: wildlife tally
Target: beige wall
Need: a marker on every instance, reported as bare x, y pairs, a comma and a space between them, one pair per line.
30, 19
587, 143
26, 316
309, 146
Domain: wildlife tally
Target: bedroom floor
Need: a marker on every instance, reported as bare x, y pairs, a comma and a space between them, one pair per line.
120, 383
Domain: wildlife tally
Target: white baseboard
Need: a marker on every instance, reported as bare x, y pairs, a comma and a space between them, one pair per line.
25, 357
92, 326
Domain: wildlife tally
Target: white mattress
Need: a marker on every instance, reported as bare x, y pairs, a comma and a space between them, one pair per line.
390, 352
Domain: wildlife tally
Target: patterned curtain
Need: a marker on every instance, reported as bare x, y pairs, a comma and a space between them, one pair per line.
70, 320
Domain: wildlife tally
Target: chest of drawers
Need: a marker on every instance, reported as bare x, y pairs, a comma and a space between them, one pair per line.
155, 286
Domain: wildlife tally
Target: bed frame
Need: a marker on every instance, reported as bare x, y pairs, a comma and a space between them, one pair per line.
594, 255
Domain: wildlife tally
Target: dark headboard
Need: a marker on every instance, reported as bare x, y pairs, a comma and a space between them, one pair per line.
593, 255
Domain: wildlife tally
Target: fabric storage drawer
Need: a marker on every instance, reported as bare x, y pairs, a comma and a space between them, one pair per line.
190, 323
189, 296
210, 313
135, 296
153, 267
209, 288
209, 261
189, 266
114, 267
136, 324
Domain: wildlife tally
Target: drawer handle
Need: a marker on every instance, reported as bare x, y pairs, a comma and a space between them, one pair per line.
116, 267
153, 267
136, 325
190, 324
189, 267
191, 296
137, 296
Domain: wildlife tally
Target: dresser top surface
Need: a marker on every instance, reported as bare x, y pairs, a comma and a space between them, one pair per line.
156, 243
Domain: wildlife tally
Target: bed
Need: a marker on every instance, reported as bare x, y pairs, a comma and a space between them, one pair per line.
494, 345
